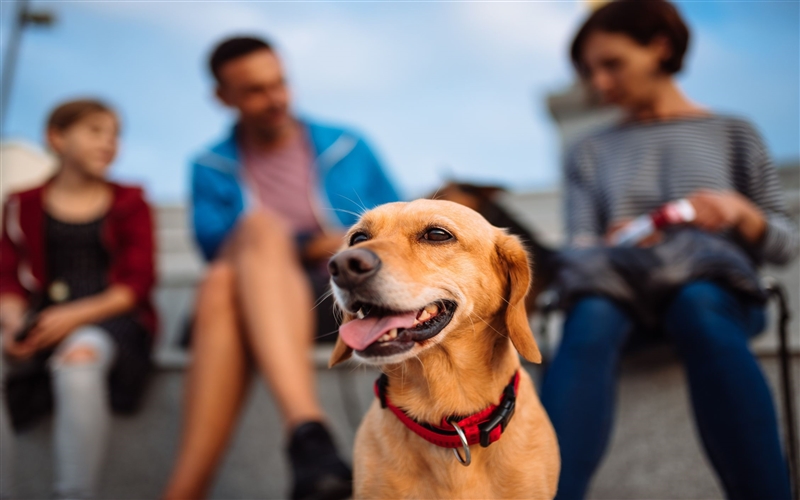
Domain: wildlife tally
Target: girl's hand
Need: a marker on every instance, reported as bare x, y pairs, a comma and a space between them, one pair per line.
14, 349
721, 210
55, 323
12, 322
12, 313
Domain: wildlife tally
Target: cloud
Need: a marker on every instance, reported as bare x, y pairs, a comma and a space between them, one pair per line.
539, 30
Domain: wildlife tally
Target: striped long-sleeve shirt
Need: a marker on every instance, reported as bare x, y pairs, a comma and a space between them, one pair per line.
632, 169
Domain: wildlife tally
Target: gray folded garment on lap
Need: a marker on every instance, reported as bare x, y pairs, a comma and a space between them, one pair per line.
644, 279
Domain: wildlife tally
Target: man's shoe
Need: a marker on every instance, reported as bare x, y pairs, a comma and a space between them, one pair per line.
319, 473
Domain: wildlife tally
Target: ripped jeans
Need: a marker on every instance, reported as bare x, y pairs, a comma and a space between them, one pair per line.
79, 370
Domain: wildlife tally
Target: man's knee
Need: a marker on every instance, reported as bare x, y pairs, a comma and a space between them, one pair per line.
260, 228
217, 287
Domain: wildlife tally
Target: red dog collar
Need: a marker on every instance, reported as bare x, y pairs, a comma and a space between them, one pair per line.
484, 427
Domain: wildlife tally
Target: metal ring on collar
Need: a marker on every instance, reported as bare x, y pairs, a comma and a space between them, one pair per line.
467, 459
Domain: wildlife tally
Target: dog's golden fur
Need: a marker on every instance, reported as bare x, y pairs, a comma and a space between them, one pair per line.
461, 370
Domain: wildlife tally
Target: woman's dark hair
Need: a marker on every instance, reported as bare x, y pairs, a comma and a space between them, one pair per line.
69, 113
234, 48
641, 20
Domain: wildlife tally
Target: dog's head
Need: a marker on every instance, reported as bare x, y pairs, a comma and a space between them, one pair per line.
413, 275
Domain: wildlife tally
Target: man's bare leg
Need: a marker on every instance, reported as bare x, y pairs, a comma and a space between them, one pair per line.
276, 301
257, 287
216, 384
275, 298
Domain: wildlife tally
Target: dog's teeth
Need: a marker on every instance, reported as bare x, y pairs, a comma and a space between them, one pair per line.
384, 337
432, 309
360, 314
392, 333
423, 316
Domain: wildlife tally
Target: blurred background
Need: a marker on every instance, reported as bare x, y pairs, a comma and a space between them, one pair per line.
475, 92
440, 89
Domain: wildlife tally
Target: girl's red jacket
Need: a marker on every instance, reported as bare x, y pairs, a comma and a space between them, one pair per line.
127, 234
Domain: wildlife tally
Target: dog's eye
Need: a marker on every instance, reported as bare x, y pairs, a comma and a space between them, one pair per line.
437, 234
358, 238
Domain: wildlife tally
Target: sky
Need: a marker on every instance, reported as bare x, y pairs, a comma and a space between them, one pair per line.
441, 90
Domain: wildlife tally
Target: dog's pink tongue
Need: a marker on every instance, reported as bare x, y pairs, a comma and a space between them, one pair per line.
359, 333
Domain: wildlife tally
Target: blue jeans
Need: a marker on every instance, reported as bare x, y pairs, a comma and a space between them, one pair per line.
733, 408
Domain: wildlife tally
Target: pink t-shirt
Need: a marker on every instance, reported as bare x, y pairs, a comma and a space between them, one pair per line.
282, 180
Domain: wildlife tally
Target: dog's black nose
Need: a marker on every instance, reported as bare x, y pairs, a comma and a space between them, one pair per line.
352, 267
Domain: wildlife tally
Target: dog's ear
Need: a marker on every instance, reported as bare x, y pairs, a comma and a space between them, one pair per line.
341, 352
514, 261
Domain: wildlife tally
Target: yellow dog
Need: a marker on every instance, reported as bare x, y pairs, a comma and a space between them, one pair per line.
434, 295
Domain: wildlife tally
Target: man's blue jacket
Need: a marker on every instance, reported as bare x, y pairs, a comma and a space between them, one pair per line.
349, 179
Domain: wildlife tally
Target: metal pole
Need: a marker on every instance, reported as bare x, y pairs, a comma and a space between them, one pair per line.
10, 60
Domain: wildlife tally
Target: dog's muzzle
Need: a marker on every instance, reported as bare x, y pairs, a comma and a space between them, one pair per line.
353, 267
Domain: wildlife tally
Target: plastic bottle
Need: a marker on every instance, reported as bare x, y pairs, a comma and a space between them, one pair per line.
675, 212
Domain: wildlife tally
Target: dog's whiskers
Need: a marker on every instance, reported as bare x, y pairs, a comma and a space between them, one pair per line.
322, 298
355, 214
326, 334
493, 328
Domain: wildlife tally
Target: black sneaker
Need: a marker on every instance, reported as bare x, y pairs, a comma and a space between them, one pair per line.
319, 473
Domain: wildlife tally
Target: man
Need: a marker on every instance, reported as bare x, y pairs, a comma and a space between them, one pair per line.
270, 205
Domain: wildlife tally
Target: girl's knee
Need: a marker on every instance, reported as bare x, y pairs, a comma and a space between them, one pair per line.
78, 355
86, 346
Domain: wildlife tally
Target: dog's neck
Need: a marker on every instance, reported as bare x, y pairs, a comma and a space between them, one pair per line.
459, 377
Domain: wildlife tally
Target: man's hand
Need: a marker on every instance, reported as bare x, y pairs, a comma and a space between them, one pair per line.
323, 247
721, 210
55, 323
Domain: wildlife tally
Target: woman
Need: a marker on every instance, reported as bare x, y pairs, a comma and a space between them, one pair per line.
667, 148
76, 271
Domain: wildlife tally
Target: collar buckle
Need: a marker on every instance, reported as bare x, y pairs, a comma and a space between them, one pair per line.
500, 416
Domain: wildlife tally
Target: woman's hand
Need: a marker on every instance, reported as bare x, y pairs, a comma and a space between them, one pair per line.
619, 224
721, 210
55, 323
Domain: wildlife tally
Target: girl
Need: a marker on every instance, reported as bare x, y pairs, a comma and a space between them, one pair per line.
76, 271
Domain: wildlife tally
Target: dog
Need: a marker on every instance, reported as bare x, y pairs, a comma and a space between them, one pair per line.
435, 296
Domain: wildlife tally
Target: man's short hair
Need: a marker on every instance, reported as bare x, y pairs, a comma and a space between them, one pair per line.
234, 48
641, 20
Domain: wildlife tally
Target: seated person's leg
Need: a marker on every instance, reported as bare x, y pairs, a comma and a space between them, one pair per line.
732, 404
6, 442
215, 387
80, 369
276, 301
579, 387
